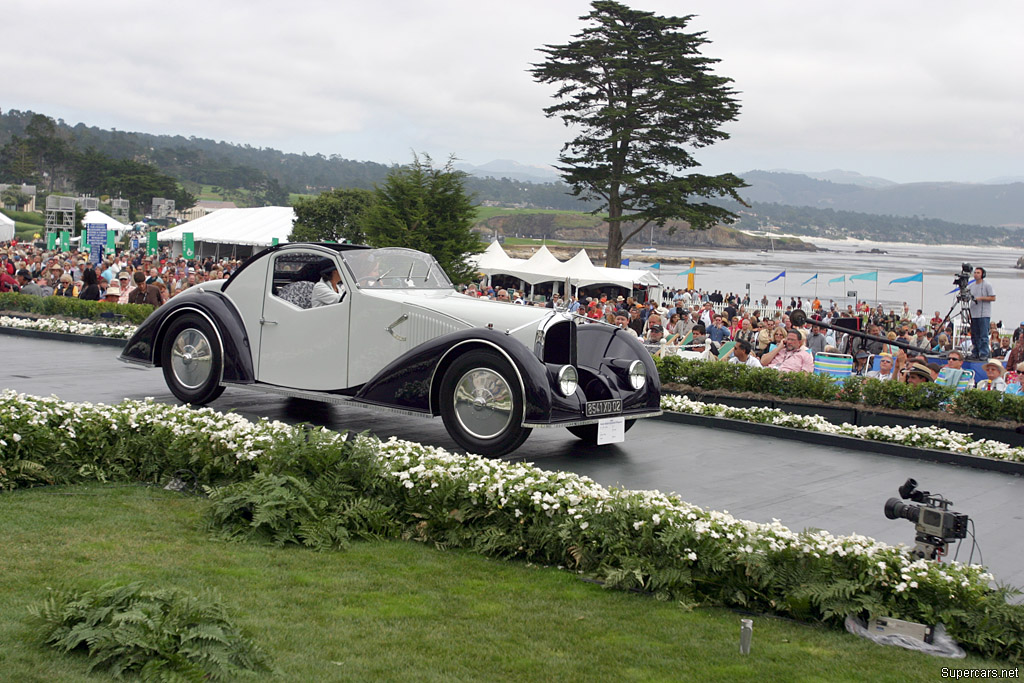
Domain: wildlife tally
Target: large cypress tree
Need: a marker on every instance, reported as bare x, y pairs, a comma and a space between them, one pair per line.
636, 89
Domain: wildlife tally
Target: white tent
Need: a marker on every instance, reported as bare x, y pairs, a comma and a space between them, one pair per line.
250, 227
98, 217
544, 267
6, 228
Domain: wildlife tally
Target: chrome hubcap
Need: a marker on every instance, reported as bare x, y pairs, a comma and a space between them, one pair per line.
483, 403
191, 358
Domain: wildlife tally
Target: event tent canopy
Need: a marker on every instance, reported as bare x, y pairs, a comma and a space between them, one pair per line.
544, 267
250, 227
98, 217
6, 228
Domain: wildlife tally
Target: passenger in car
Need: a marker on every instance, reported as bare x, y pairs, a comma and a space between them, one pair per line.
329, 290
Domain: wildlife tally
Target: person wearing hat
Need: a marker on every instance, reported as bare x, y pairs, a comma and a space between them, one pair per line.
860, 363
994, 376
329, 289
142, 293
124, 280
113, 293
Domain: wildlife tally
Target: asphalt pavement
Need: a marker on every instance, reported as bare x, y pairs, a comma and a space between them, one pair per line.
753, 476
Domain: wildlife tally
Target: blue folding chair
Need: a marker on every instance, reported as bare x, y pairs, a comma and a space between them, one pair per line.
834, 364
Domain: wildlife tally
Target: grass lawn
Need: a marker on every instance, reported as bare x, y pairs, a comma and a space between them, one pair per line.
396, 610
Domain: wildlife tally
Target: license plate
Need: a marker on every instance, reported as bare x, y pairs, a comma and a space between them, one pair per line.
595, 408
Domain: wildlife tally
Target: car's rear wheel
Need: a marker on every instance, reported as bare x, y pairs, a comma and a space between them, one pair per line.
588, 433
191, 358
482, 404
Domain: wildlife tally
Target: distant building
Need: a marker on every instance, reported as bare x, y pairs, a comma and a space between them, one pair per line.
201, 209
27, 190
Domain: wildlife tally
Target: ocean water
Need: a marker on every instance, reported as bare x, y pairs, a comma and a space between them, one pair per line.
939, 263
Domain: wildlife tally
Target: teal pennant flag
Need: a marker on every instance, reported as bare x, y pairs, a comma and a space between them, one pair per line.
689, 271
813, 277
655, 266
871, 277
841, 278
910, 278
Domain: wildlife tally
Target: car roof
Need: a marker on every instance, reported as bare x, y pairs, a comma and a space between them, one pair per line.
334, 246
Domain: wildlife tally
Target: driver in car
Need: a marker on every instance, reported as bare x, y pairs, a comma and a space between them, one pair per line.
329, 290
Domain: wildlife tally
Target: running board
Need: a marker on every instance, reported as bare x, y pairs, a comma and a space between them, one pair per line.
322, 397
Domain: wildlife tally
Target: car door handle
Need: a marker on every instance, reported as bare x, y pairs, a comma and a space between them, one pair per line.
390, 329
264, 321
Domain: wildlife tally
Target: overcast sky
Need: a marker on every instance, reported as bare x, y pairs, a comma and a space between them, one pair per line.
911, 91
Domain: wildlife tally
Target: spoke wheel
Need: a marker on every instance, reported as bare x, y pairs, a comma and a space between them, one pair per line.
191, 358
482, 404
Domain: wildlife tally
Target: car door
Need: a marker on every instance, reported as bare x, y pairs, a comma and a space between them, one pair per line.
300, 347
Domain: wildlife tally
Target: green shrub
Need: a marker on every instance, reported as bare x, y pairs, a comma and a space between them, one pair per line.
157, 634
308, 492
984, 404
72, 307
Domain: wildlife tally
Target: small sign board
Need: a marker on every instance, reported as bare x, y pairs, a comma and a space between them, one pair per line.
852, 294
611, 430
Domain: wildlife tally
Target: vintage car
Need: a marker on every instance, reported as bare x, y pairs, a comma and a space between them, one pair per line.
403, 339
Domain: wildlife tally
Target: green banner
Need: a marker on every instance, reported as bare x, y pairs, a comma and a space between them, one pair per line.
274, 241
65, 240
51, 241
152, 248
111, 242
188, 245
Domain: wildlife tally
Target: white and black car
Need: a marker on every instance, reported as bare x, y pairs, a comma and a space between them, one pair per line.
401, 339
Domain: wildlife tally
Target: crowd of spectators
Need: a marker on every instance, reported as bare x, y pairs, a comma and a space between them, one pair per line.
126, 277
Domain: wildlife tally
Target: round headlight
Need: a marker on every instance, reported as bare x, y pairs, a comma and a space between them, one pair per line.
568, 380
637, 375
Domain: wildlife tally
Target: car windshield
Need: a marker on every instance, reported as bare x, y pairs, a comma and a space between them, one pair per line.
395, 268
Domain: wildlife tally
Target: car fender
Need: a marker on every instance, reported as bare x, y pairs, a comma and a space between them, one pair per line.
412, 381
144, 346
607, 351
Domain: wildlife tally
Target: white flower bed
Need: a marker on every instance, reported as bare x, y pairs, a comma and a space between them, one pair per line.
574, 502
91, 329
919, 437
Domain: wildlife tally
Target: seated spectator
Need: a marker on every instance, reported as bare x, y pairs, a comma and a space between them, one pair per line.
885, 368
65, 287
90, 290
994, 371
860, 363
955, 371
790, 356
113, 293
622, 322
742, 354
26, 285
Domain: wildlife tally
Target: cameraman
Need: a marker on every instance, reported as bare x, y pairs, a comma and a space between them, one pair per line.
982, 296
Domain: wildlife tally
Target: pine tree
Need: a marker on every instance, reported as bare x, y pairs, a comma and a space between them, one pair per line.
636, 89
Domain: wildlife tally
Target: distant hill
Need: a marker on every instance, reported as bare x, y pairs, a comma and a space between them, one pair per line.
972, 204
506, 168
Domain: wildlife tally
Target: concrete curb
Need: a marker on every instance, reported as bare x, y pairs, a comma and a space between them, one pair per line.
60, 336
850, 442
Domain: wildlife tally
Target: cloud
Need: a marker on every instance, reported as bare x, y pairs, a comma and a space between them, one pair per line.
860, 83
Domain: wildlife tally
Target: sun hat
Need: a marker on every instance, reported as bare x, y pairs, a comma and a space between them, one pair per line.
920, 371
862, 354
114, 290
994, 363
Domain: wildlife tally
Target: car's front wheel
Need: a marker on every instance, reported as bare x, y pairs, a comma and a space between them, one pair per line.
191, 358
482, 404
588, 433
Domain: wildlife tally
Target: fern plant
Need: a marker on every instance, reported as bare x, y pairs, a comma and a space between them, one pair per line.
156, 634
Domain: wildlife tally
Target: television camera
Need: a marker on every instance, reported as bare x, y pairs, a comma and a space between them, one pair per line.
936, 525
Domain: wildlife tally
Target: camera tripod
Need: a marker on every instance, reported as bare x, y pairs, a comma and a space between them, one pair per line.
963, 300
929, 547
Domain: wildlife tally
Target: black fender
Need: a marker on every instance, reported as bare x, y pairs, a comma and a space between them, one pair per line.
412, 381
144, 346
604, 354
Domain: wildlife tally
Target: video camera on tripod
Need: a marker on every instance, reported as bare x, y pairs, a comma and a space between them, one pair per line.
936, 525
961, 280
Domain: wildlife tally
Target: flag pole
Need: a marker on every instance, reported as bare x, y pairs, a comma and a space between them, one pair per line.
876, 288
922, 290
